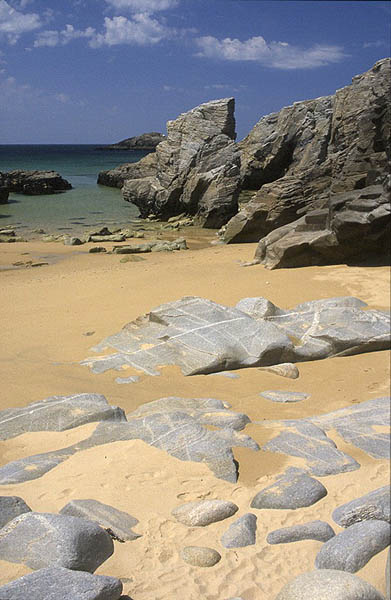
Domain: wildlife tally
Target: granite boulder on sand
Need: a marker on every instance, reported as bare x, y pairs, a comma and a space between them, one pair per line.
57, 583
203, 337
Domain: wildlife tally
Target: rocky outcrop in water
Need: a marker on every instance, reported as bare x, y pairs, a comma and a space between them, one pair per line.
145, 141
33, 183
197, 168
3, 195
308, 154
146, 167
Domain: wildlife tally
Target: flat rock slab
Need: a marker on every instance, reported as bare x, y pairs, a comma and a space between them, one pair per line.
116, 522
11, 507
241, 533
57, 583
314, 530
203, 337
375, 505
173, 424
277, 396
131, 379
57, 413
305, 440
359, 425
205, 512
294, 489
351, 549
328, 584
200, 556
40, 540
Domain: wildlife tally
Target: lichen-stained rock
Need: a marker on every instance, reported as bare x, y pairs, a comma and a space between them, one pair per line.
374, 505
11, 507
328, 584
40, 540
351, 549
197, 168
293, 489
314, 530
203, 337
57, 413
57, 583
204, 512
116, 522
198, 335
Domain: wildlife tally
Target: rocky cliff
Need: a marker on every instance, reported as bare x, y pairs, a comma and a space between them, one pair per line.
293, 160
197, 168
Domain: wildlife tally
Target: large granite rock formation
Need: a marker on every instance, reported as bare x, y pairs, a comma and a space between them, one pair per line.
34, 183
307, 155
197, 168
146, 167
145, 141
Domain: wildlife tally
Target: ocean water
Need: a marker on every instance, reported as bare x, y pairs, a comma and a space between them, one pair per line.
86, 206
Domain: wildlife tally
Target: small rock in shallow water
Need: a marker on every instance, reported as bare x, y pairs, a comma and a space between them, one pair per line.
328, 584
241, 533
200, 556
277, 396
205, 512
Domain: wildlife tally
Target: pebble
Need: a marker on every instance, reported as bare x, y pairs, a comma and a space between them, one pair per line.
200, 556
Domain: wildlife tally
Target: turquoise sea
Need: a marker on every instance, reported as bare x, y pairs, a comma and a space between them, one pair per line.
86, 205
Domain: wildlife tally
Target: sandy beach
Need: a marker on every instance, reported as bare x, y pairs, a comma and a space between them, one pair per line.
51, 317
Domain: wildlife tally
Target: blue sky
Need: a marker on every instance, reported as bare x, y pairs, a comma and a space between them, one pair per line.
97, 71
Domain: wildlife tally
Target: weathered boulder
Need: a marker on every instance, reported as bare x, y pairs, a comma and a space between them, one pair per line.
34, 183
314, 530
375, 505
11, 507
146, 167
204, 512
354, 225
293, 489
295, 158
153, 246
197, 170
241, 532
200, 556
145, 141
351, 549
328, 584
57, 583
41, 540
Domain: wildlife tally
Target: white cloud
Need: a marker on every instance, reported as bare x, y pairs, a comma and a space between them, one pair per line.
14, 23
144, 6
279, 55
376, 44
52, 38
141, 30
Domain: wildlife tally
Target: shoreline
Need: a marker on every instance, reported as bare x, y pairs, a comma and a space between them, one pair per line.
54, 314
